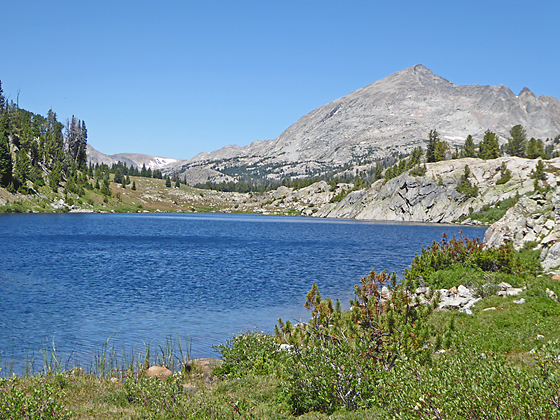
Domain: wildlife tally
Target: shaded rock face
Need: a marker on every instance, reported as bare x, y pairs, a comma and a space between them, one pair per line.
527, 221
433, 197
394, 114
535, 221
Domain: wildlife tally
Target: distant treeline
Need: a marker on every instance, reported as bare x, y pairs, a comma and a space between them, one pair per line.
393, 166
269, 185
488, 148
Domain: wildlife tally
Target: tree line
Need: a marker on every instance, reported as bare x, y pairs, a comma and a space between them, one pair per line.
489, 147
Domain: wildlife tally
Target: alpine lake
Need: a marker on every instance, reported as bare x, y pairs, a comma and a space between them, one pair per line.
71, 284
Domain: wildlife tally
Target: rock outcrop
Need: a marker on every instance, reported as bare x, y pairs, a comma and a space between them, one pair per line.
529, 221
159, 372
433, 197
533, 221
463, 298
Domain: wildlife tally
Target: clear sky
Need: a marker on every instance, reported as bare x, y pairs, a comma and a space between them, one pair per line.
175, 78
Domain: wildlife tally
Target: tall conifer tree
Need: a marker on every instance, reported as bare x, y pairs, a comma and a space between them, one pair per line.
469, 149
518, 141
5, 161
489, 146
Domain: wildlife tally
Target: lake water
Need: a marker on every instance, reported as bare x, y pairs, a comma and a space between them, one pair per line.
79, 279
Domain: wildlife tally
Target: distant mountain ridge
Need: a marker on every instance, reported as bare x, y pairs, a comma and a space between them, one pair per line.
131, 159
387, 117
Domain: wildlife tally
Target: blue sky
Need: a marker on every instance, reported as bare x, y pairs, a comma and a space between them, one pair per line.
175, 78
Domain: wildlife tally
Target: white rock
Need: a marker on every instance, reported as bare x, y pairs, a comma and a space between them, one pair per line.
453, 303
505, 286
519, 302
444, 293
422, 290
463, 291
552, 256
287, 348
385, 291
472, 302
551, 295
539, 336
492, 308
514, 292
530, 237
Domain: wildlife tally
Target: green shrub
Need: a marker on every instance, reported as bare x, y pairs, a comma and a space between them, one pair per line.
465, 187
252, 352
337, 357
419, 170
471, 385
41, 401
506, 174
447, 257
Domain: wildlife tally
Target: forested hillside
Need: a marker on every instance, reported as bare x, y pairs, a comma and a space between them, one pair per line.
36, 150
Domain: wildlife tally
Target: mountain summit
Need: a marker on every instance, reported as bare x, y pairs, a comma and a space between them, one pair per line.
387, 117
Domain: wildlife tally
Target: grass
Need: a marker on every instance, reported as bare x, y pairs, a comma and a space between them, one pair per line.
150, 195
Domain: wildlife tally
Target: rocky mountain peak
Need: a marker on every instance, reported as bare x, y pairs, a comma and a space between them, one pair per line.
388, 117
526, 91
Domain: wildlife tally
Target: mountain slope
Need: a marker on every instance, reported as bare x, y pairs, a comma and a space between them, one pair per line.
390, 116
131, 159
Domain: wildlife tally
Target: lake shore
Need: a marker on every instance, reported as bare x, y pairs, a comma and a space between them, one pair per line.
490, 361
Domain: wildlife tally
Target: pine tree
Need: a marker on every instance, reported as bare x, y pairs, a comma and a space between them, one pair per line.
517, 144
23, 167
2, 99
55, 176
441, 149
539, 173
433, 140
465, 187
535, 149
489, 146
5, 161
469, 148
105, 190
81, 158
118, 175
378, 171
436, 148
